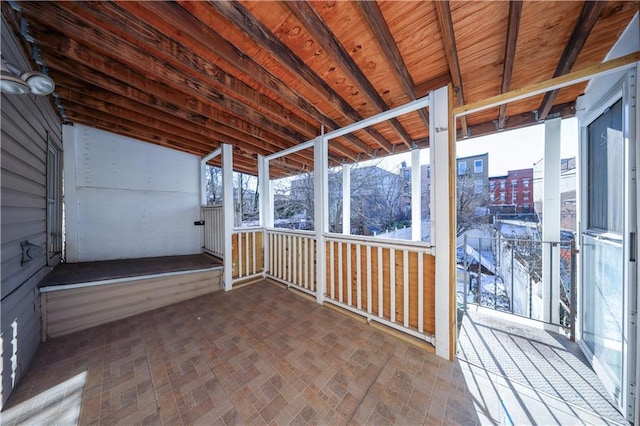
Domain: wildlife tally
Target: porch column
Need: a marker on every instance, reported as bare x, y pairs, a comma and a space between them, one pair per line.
443, 155
227, 206
266, 214
551, 222
416, 196
203, 174
321, 218
346, 199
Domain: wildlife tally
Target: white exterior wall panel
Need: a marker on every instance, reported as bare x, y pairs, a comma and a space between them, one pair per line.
130, 199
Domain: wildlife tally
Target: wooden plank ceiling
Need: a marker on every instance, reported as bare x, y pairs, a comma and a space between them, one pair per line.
265, 75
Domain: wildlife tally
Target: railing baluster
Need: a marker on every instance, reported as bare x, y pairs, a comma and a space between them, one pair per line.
294, 263
369, 279
254, 253
307, 284
392, 283
358, 276
281, 256
312, 264
349, 278
239, 248
405, 287
421, 292
247, 253
380, 281
332, 269
340, 270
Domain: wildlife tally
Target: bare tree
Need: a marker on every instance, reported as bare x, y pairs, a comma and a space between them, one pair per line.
213, 185
471, 202
246, 199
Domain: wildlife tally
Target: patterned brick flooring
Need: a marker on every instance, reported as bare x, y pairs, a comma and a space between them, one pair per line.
256, 355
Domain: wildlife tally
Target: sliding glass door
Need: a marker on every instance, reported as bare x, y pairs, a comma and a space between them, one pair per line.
607, 237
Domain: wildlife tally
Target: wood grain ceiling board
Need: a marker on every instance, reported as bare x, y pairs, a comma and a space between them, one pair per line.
614, 18
414, 26
480, 30
269, 61
179, 74
292, 33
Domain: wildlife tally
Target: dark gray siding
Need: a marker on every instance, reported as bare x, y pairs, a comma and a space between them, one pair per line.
25, 123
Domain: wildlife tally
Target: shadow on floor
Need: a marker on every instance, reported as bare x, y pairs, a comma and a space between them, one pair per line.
548, 369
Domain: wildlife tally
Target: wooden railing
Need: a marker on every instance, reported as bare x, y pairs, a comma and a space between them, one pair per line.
247, 253
213, 230
292, 258
387, 281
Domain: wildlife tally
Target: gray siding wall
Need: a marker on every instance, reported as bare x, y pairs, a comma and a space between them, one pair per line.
24, 125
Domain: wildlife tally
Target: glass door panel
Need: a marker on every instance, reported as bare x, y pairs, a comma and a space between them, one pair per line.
602, 329
603, 307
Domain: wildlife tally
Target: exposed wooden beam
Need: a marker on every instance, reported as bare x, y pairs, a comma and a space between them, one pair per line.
176, 21
588, 18
237, 14
423, 88
443, 10
373, 15
565, 80
131, 93
313, 23
159, 69
90, 99
513, 27
184, 53
518, 121
118, 77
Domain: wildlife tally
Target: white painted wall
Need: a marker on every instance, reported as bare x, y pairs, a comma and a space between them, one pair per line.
128, 199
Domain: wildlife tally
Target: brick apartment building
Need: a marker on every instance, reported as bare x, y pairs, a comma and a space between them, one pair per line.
513, 192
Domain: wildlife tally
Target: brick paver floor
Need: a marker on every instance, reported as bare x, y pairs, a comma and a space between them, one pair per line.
256, 355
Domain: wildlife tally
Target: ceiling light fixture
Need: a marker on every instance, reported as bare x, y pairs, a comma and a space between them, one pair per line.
39, 83
13, 85
31, 82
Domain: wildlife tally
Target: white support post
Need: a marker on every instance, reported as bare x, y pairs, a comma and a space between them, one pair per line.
416, 196
266, 217
551, 222
320, 154
227, 207
346, 199
203, 183
203, 174
439, 134
70, 193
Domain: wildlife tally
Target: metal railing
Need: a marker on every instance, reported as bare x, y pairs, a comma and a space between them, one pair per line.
506, 274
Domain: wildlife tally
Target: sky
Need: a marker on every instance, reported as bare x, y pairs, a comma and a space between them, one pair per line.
508, 150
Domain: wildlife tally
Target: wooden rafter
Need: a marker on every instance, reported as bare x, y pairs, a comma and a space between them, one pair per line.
513, 27
443, 10
175, 21
112, 78
588, 18
237, 14
518, 121
307, 15
373, 15
424, 87
94, 98
128, 75
165, 75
